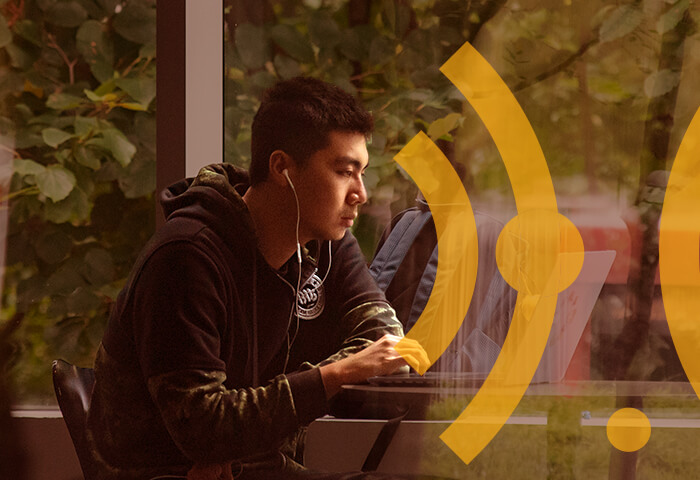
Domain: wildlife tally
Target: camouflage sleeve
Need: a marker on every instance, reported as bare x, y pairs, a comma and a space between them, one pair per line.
211, 424
363, 325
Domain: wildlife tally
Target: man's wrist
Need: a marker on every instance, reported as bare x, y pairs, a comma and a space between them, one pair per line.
333, 376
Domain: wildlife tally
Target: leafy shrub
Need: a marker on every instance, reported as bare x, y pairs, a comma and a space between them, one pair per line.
78, 84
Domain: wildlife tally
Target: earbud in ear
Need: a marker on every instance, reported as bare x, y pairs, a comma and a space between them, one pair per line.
285, 172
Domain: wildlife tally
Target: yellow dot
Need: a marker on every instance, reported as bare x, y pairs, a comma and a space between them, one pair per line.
539, 252
628, 429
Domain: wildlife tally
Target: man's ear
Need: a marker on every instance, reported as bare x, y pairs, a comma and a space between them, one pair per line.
279, 162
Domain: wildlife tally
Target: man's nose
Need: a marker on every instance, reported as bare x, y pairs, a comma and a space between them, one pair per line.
358, 195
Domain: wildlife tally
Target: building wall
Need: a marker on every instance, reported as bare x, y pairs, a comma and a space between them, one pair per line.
47, 446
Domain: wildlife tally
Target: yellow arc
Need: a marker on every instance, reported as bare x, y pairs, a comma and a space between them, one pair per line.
508, 126
679, 252
457, 249
539, 252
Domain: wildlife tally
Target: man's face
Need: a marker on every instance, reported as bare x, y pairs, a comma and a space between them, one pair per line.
330, 187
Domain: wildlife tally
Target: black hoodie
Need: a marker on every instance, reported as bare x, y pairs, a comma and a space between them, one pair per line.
192, 364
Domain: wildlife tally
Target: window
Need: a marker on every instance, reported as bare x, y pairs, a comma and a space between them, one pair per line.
608, 90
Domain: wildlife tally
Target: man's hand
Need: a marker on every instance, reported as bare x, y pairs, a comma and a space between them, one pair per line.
380, 358
220, 471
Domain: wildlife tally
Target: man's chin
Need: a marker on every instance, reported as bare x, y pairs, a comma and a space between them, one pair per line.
336, 235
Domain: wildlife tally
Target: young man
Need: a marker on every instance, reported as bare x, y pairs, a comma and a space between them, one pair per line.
250, 307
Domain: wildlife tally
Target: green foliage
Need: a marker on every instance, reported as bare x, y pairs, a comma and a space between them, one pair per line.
391, 60
670, 19
77, 92
661, 82
620, 22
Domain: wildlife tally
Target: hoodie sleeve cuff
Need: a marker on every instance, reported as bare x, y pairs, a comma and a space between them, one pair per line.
308, 394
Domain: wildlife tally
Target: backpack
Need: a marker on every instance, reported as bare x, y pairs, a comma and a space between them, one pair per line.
405, 265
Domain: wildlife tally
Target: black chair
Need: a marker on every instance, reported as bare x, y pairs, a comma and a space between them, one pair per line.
73, 387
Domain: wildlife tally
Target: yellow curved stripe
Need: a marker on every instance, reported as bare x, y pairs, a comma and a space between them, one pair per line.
457, 248
498, 397
509, 127
528, 252
679, 252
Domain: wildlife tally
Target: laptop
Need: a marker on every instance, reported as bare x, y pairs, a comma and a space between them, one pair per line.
573, 310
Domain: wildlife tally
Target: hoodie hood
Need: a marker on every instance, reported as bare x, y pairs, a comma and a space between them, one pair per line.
215, 197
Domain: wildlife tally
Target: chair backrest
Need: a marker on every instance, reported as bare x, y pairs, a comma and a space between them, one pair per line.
73, 387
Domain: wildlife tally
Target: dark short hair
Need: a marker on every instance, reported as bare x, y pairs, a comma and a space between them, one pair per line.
297, 117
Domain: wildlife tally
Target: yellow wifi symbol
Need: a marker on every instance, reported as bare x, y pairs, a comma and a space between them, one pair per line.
539, 252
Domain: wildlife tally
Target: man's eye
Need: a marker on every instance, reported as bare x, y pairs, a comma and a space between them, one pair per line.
346, 173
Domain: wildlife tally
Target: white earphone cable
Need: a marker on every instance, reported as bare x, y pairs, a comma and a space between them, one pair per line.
295, 307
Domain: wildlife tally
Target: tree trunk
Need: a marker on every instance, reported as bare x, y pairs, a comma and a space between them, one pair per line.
634, 338
652, 184
587, 134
